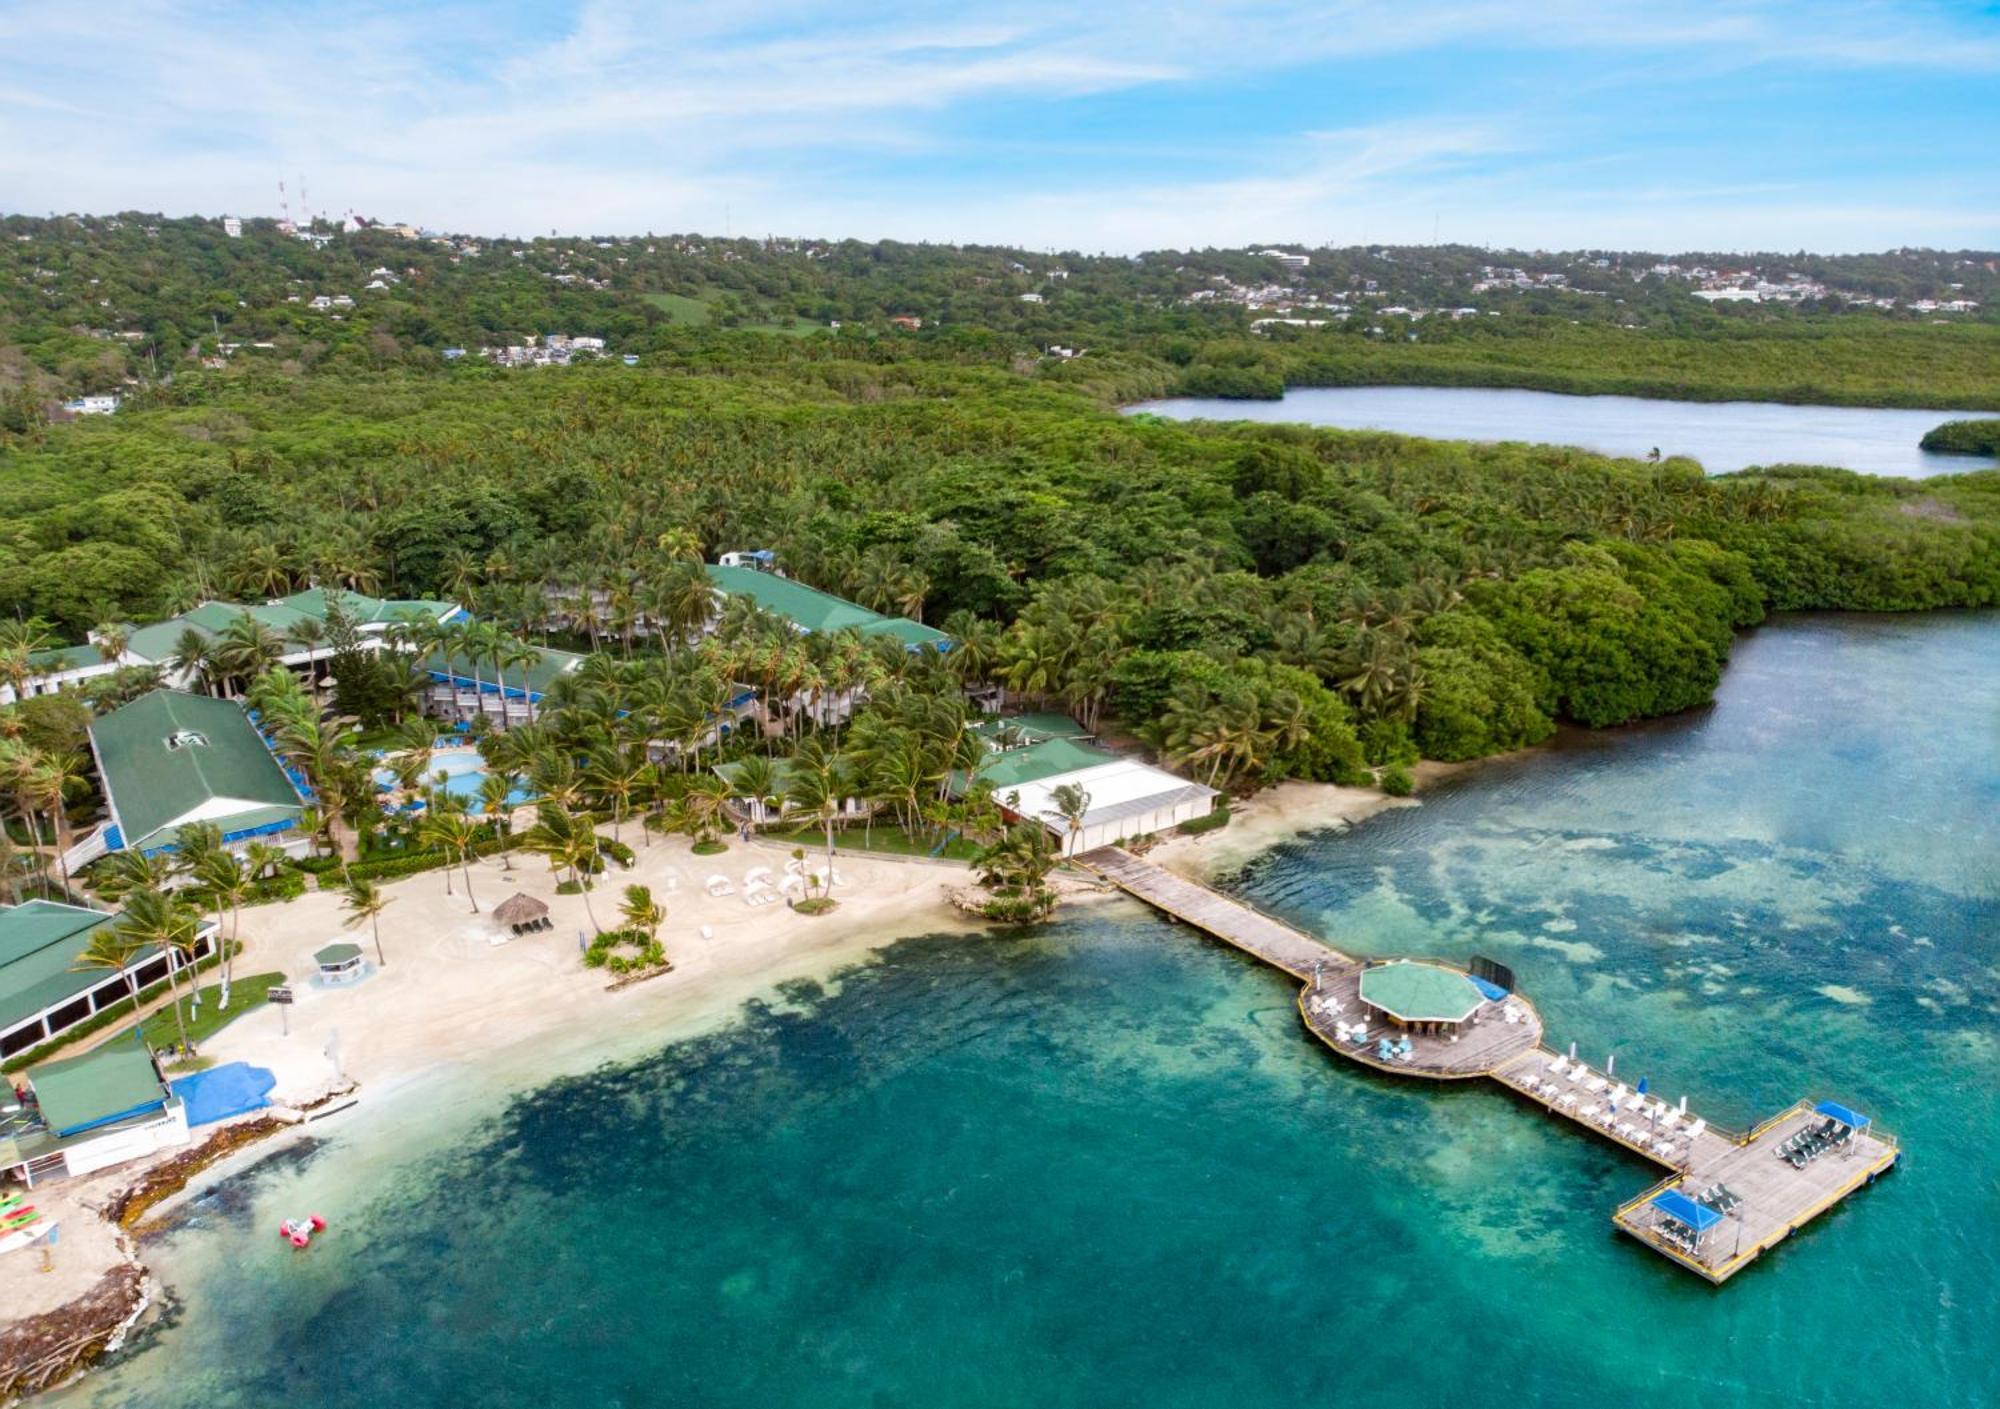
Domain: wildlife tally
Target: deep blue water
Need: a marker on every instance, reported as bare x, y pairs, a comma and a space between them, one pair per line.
1722, 435
1098, 1164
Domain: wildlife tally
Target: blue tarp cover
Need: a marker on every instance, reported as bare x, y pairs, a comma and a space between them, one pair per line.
1682, 1209
1853, 1120
221, 1092
1491, 990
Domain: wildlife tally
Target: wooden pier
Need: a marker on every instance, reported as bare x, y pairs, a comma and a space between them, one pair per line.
1726, 1198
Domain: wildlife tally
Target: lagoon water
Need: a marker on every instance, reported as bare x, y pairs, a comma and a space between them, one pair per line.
1722, 435
1099, 1164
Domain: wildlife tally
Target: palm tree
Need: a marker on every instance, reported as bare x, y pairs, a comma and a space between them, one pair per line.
192, 661
819, 782
364, 900
222, 876
451, 831
496, 805
641, 912
111, 639
1072, 805
618, 774
158, 919
566, 842
110, 949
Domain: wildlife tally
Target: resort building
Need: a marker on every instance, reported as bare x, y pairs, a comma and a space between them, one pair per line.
1031, 760
57, 669
755, 575
43, 992
507, 689
90, 1112
298, 621
170, 758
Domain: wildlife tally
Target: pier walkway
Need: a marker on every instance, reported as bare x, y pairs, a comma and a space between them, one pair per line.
1725, 1197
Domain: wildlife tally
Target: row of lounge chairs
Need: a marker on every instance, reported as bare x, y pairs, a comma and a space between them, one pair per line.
1574, 1089
1723, 1200
531, 926
1803, 1148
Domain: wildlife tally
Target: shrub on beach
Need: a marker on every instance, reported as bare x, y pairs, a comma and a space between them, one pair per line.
1397, 782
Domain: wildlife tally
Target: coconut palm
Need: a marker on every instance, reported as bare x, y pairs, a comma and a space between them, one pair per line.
114, 951
221, 876
820, 780
364, 902
161, 920
641, 912
1072, 805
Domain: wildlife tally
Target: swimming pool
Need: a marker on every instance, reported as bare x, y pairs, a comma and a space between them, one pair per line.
464, 770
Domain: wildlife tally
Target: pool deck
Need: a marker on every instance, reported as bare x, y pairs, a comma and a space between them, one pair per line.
1503, 1042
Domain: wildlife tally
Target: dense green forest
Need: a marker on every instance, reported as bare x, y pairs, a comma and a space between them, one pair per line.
1979, 437
103, 304
1444, 597
1249, 602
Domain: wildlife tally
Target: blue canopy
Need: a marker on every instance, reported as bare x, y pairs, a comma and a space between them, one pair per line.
1682, 1209
1491, 990
1853, 1120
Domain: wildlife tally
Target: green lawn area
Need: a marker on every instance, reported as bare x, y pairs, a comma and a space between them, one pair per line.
699, 311
884, 837
246, 995
683, 309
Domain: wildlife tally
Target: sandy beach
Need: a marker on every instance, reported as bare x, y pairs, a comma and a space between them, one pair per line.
525, 1009
1276, 815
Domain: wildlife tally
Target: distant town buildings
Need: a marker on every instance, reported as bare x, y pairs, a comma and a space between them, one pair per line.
232, 227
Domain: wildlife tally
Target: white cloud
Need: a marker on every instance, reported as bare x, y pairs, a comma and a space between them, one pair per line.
811, 117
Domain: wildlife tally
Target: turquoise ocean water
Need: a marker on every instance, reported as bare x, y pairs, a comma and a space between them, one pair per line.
1099, 1164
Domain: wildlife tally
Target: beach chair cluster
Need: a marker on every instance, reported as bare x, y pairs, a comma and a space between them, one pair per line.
1654, 1126
1679, 1237
531, 926
1803, 1148
1394, 1049
1512, 1012
1721, 1198
757, 887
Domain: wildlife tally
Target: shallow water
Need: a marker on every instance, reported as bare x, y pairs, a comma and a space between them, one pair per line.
1099, 1164
1722, 435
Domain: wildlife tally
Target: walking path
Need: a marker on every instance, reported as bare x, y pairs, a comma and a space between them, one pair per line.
1726, 1198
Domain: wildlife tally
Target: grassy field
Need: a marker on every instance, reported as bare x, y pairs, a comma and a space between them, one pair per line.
699, 311
683, 309
246, 995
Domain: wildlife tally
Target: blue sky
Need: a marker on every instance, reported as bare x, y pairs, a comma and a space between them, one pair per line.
1105, 126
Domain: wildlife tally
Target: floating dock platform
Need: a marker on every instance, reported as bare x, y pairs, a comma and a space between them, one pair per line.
1725, 1198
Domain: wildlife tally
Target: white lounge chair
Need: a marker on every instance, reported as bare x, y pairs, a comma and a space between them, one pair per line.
1594, 1085
719, 885
1578, 1072
1568, 1102
1695, 1130
1557, 1066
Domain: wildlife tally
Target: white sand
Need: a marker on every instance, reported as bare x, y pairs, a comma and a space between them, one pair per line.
1272, 816
449, 1000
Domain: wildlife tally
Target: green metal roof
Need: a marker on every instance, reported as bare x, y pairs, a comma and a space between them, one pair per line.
1420, 992
813, 610
550, 665
102, 1085
154, 788
336, 954
1032, 727
60, 658
367, 611
39, 942
155, 641
1034, 762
